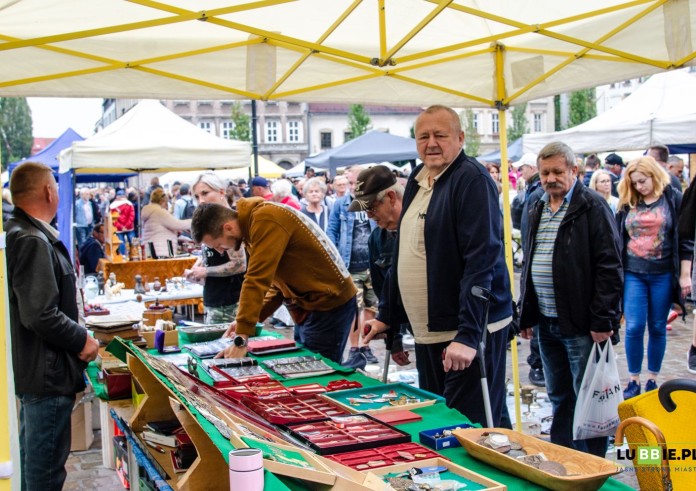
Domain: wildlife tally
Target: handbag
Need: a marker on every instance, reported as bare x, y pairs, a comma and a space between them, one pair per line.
596, 409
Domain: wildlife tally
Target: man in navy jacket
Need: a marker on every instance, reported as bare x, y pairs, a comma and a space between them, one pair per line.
449, 241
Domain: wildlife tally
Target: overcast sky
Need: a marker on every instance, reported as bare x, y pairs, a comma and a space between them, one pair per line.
52, 115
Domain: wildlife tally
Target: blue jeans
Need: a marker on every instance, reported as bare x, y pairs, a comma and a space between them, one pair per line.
564, 359
647, 298
81, 234
326, 333
44, 440
126, 238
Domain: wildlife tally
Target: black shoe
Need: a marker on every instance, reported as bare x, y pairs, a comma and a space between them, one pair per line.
355, 359
371, 358
536, 377
691, 360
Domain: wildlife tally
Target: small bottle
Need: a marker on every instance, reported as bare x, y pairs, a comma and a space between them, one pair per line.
246, 469
157, 286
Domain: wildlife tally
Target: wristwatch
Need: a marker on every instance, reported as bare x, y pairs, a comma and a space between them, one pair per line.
239, 342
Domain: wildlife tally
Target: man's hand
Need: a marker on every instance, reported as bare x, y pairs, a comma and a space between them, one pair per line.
233, 351
377, 329
230, 330
90, 350
527, 333
458, 356
600, 337
400, 358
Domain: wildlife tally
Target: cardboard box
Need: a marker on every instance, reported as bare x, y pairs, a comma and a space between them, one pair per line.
82, 434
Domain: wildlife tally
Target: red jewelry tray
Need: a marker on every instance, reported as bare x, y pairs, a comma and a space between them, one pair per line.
374, 458
341, 434
270, 346
297, 409
258, 390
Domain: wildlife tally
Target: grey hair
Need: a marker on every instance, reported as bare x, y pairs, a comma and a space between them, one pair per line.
557, 148
396, 187
212, 180
281, 188
314, 181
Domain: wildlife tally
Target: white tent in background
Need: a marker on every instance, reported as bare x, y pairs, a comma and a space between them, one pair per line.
267, 168
151, 137
662, 110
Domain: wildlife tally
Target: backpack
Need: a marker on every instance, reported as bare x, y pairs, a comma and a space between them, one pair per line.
188, 210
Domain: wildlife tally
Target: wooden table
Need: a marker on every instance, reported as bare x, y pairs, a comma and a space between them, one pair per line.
148, 269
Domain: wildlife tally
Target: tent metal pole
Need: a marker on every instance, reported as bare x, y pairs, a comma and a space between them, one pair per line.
507, 220
254, 138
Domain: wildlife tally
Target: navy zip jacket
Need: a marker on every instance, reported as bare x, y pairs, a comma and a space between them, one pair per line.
463, 248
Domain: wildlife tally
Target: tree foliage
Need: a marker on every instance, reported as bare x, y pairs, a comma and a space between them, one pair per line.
583, 107
16, 138
241, 123
557, 126
358, 121
472, 140
519, 123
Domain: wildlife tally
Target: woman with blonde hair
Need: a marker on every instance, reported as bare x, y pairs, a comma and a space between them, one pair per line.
160, 226
601, 182
657, 264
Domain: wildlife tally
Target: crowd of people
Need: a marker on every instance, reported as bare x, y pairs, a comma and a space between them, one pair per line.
371, 255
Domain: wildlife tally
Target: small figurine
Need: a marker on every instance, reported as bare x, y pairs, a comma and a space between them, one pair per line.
112, 279
100, 282
139, 288
157, 286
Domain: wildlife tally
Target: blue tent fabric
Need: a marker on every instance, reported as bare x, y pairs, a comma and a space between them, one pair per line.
373, 146
49, 155
514, 153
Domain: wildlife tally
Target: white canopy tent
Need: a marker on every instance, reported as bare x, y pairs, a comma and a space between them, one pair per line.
151, 137
662, 110
267, 169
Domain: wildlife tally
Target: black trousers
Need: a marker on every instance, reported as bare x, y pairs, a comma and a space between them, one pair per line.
462, 388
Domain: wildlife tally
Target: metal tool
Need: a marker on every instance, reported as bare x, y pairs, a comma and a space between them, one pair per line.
485, 296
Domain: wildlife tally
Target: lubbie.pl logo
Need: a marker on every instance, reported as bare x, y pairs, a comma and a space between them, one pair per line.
654, 455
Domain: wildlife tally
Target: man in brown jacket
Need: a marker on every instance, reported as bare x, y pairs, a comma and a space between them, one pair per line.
290, 260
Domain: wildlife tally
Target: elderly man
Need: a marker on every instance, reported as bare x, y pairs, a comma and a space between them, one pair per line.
449, 248
571, 284
49, 348
84, 216
290, 260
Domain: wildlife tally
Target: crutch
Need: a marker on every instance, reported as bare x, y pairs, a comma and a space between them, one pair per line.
485, 296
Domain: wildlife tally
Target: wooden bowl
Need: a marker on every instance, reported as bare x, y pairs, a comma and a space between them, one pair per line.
586, 472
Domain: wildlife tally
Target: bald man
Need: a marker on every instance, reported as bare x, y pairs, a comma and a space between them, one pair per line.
50, 349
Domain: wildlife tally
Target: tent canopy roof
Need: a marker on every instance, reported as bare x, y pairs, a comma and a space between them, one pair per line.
151, 137
662, 110
392, 52
49, 155
373, 146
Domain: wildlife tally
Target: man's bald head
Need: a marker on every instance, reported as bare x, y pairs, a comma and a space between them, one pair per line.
28, 181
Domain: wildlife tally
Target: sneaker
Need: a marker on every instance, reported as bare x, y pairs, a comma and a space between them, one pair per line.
631, 390
691, 360
536, 377
650, 385
356, 359
371, 358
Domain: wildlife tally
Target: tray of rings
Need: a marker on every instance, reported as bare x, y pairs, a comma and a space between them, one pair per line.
294, 409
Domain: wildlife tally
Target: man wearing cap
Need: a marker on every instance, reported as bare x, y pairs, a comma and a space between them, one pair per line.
243, 188
380, 195
290, 261
661, 154
527, 166
448, 255
614, 164
261, 188
350, 232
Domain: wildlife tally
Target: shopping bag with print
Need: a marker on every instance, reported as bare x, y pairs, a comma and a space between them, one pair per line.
596, 410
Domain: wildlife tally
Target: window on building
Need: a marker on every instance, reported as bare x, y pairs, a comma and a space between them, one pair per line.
227, 127
537, 123
271, 131
294, 128
206, 126
347, 136
495, 124
325, 139
476, 122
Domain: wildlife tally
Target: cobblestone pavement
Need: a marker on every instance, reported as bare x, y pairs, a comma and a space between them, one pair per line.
85, 470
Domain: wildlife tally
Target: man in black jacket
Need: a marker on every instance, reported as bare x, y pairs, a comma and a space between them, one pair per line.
448, 249
571, 284
49, 348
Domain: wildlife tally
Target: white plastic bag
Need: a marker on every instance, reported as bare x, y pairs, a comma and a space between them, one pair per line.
596, 410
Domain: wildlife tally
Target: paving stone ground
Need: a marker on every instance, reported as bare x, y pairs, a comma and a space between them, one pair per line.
86, 473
